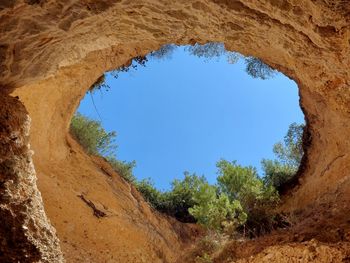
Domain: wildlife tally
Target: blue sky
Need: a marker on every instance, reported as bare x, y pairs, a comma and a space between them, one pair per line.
185, 113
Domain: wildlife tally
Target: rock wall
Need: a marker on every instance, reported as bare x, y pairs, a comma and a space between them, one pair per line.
98, 216
52, 51
26, 234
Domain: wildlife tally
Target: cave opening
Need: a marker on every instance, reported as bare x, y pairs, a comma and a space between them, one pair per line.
181, 110
50, 67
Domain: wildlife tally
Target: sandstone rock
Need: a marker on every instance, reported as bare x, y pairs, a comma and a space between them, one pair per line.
51, 52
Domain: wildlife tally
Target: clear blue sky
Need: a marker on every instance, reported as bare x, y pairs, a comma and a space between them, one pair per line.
184, 114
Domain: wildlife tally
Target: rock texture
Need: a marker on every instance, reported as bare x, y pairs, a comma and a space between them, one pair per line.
26, 234
52, 51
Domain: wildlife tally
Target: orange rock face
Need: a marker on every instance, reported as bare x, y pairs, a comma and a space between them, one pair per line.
51, 52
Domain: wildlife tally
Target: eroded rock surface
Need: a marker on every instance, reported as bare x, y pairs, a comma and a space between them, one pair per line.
26, 234
52, 51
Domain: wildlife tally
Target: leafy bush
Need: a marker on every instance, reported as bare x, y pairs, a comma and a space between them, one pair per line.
237, 181
91, 135
216, 211
123, 168
97, 141
277, 173
240, 200
181, 196
150, 193
243, 185
177, 200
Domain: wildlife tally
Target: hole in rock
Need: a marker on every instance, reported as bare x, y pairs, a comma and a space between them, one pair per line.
186, 108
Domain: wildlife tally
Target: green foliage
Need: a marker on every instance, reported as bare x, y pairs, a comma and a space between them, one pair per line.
150, 193
92, 136
95, 140
237, 181
277, 173
289, 153
241, 200
243, 185
216, 211
132, 65
123, 168
177, 200
181, 196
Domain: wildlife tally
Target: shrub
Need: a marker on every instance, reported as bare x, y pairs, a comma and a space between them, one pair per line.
237, 181
276, 173
133, 64
175, 202
150, 193
91, 135
123, 168
216, 211
181, 196
241, 201
243, 185
95, 140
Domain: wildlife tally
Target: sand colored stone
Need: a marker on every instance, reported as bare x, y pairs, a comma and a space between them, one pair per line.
51, 52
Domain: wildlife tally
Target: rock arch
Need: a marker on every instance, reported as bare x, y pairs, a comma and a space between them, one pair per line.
52, 51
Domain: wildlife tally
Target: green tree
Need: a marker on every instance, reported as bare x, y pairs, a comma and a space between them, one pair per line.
238, 181
216, 211
242, 184
289, 154
150, 193
180, 197
291, 151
